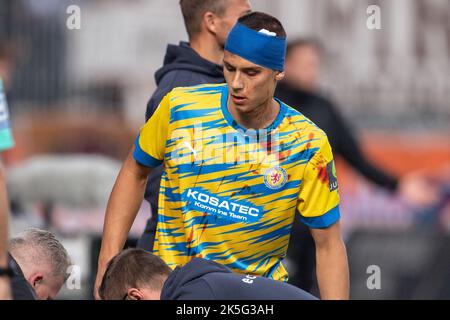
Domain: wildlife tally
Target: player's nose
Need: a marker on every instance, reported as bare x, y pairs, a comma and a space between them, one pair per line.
237, 84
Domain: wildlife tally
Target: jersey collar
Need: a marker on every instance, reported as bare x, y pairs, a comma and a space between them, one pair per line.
233, 123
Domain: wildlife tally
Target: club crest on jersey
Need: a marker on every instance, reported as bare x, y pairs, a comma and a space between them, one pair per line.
275, 178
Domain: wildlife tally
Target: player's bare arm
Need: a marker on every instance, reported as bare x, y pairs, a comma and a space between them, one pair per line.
331, 263
5, 292
123, 206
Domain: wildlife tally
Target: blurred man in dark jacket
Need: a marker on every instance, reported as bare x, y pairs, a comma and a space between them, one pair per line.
301, 89
135, 274
208, 23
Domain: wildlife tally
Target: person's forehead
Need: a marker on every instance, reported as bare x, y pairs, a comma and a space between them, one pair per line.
304, 50
239, 62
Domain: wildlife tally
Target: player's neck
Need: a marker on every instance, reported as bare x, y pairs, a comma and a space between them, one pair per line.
207, 48
259, 118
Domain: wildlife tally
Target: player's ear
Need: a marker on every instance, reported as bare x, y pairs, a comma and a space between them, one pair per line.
135, 294
210, 22
280, 76
35, 279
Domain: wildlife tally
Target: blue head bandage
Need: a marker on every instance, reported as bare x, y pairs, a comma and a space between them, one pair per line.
260, 48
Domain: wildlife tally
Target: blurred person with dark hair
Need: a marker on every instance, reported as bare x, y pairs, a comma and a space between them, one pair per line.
6, 142
208, 23
39, 263
301, 89
214, 203
135, 274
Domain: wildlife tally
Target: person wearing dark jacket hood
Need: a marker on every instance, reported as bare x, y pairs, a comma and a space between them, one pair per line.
21, 289
135, 274
208, 23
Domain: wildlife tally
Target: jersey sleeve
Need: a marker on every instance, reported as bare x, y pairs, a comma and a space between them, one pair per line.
150, 144
319, 198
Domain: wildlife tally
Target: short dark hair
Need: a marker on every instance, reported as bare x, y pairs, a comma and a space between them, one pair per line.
304, 42
132, 268
259, 20
193, 11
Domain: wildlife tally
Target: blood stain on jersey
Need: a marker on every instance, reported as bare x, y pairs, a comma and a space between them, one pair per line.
323, 174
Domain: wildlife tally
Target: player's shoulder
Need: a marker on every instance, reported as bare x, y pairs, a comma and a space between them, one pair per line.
305, 128
197, 97
197, 90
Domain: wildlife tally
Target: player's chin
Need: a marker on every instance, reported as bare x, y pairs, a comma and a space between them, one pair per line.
244, 106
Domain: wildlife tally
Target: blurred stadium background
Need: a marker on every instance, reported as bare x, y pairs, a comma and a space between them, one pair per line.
78, 97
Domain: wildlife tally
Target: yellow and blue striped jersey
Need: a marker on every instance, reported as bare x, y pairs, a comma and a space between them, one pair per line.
229, 194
